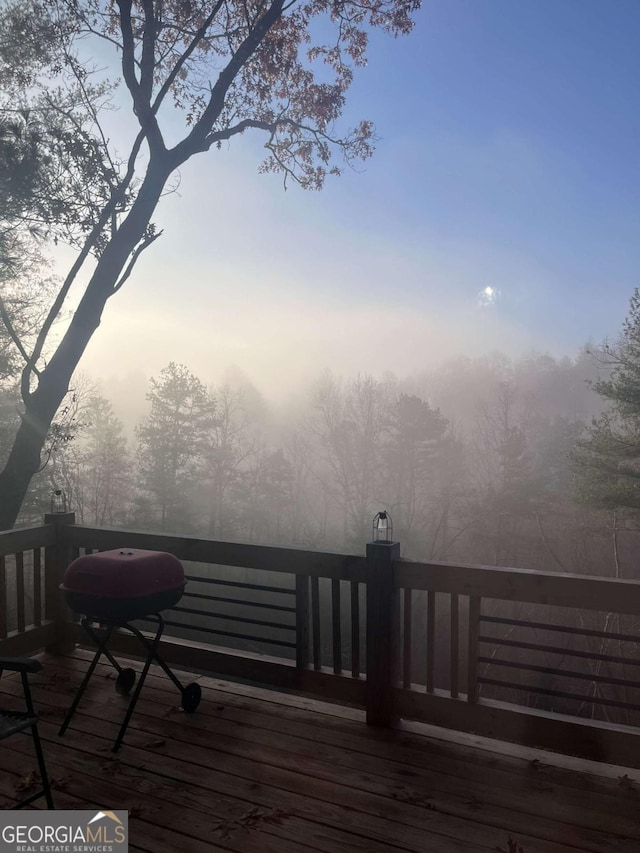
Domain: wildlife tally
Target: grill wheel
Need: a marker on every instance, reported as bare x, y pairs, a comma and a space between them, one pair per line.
125, 681
191, 696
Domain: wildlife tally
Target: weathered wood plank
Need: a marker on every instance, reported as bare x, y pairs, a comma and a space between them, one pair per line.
3, 598
258, 668
454, 645
407, 637
554, 588
349, 567
189, 732
336, 626
243, 733
20, 602
431, 638
589, 739
28, 642
37, 587
475, 604
26, 538
302, 621
315, 623
381, 601
355, 630
589, 798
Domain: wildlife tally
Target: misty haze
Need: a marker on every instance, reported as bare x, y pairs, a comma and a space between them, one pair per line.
337, 304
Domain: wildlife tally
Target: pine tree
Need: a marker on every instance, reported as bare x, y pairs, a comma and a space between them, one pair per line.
607, 460
172, 442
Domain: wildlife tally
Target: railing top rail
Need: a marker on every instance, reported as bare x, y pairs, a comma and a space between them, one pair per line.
348, 567
26, 539
525, 585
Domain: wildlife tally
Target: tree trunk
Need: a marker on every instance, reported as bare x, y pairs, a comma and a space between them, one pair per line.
53, 383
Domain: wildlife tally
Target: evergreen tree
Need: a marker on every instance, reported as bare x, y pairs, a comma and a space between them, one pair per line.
172, 442
412, 456
607, 459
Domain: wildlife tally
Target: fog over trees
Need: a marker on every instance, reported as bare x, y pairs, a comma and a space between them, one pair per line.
480, 460
196, 75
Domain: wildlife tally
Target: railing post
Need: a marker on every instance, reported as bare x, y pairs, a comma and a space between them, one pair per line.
302, 621
56, 559
381, 626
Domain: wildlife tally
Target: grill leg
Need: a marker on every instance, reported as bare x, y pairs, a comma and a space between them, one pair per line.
85, 681
151, 647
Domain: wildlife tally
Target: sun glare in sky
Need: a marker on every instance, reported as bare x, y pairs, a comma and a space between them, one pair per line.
488, 296
508, 151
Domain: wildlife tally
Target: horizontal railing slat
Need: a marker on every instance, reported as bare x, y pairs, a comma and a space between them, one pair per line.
294, 561
230, 618
561, 694
565, 629
564, 673
214, 631
279, 590
26, 539
242, 601
560, 650
523, 585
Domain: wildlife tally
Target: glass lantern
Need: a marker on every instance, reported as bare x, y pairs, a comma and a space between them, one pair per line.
382, 528
58, 501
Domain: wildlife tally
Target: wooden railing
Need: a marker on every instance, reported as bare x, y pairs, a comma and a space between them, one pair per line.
25, 619
307, 653
465, 675
436, 642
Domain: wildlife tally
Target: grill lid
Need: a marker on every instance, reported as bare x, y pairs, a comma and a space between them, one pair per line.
124, 573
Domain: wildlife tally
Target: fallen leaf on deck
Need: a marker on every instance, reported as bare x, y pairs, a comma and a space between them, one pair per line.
28, 782
536, 764
154, 744
413, 798
627, 783
254, 818
513, 847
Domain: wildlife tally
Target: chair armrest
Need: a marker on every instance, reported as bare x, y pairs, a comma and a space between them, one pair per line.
20, 664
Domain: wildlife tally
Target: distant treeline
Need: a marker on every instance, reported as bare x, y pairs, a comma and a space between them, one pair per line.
473, 461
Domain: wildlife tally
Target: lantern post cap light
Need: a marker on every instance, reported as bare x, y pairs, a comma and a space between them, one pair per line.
58, 501
382, 532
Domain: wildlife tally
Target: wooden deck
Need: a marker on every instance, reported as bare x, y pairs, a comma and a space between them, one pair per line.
254, 770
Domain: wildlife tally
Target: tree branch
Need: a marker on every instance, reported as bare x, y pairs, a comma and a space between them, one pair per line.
6, 319
147, 62
196, 140
141, 106
55, 309
184, 56
134, 257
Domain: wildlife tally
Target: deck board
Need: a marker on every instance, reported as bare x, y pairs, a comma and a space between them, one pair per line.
256, 770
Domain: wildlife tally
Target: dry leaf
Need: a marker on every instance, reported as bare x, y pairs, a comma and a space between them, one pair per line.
513, 847
28, 782
536, 764
413, 798
627, 783
254, 818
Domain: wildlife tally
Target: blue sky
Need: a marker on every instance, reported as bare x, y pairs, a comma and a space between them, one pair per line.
508, 159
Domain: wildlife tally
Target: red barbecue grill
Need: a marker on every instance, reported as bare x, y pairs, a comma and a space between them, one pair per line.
115, 588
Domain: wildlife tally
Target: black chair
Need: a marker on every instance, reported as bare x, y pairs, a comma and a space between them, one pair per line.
12, 722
